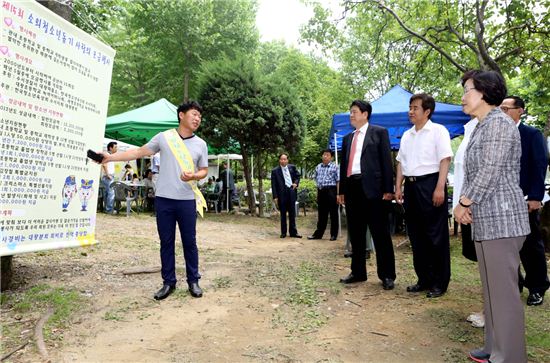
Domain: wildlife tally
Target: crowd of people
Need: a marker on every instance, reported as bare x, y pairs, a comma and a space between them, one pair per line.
499, 174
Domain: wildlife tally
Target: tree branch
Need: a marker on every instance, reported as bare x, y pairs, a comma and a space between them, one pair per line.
500, 35
419, 36
486, 62
504, 55
461, 38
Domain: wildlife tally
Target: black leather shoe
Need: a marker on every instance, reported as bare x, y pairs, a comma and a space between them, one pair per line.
416, 288
535, 299
164, 292
351, 279
348, 254
313, 237
296, 236
387, 284
479, 355
195, 289
282, 235
333, 238
435, 292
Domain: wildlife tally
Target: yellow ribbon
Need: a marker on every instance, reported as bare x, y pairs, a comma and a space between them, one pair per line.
183, 156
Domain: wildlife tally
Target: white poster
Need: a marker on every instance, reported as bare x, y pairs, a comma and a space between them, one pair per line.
54, 92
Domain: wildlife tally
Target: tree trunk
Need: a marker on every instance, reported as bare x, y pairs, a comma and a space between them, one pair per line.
260, 168
546, 130
64, 10
7, 272
186, 87
248, 179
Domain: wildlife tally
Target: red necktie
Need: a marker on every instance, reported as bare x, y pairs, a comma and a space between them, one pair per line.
352, 151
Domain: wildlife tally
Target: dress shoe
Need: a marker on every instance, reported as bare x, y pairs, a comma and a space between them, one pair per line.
164, 292
416, 288
313, 237
348, 254
351, 279
479, 355
387, 284
435, 292
296, 236
333, 238
195, 289
282, 235
535, 299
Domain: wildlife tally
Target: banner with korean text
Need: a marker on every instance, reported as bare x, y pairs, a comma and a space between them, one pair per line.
54, 92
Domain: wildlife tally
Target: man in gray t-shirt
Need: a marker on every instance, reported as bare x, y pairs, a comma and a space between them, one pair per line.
175, 195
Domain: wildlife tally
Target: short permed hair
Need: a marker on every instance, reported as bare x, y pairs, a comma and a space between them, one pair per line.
491, 84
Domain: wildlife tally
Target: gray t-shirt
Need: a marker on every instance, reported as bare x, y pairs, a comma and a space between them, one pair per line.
169, 184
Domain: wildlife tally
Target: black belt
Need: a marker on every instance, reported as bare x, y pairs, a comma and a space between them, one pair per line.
328, 187
356, 176
413, 179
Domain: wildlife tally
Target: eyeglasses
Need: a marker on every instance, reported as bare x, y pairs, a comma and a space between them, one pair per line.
506, 108
468, 89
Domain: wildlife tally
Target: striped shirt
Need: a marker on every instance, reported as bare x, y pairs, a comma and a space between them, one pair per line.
326, 175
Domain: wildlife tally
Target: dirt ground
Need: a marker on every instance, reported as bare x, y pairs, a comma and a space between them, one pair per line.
265, 299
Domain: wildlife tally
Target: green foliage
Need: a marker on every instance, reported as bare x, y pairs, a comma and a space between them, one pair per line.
312, 194
376, 52
320, 90
161, 44
259, 115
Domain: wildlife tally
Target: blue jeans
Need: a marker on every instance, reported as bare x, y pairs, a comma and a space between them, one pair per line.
109, 196
184, 212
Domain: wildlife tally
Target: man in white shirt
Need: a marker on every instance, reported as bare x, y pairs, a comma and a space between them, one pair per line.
423, 162
108, 178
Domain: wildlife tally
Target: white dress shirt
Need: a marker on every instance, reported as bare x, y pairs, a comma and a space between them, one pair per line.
356, 162
459, 160
421, 152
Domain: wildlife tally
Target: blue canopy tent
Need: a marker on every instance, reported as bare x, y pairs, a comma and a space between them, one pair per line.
391, 111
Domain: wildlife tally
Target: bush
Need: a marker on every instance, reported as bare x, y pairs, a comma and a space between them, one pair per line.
304, 183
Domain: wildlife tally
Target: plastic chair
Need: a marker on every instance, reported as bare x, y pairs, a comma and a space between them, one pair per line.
124, 193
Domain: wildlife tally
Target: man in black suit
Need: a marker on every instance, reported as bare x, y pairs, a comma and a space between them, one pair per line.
284, 181
534, 160
366, 188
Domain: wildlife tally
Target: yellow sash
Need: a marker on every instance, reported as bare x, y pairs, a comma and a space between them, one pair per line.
183, 156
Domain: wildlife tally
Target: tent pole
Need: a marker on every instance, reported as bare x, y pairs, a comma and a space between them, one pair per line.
227, 184
336, 159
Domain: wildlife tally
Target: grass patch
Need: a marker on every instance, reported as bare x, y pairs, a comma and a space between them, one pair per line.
302, 289
537, 326
34, 302
222, 282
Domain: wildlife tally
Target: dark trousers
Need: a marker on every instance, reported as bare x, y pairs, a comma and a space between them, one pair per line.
222, 203
170, 211
428, 232
287, 205
326, 204
533, 258
363, 212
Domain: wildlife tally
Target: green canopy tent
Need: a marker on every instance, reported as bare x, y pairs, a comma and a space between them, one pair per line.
138, 126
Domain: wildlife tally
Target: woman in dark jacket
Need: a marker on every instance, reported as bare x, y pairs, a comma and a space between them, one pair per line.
492, 200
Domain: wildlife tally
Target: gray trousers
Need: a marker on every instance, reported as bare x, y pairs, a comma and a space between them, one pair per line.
498, 262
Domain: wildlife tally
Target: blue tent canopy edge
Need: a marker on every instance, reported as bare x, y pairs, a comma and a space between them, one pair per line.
391, 111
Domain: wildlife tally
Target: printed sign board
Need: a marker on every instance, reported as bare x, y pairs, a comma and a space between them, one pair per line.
54, 92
